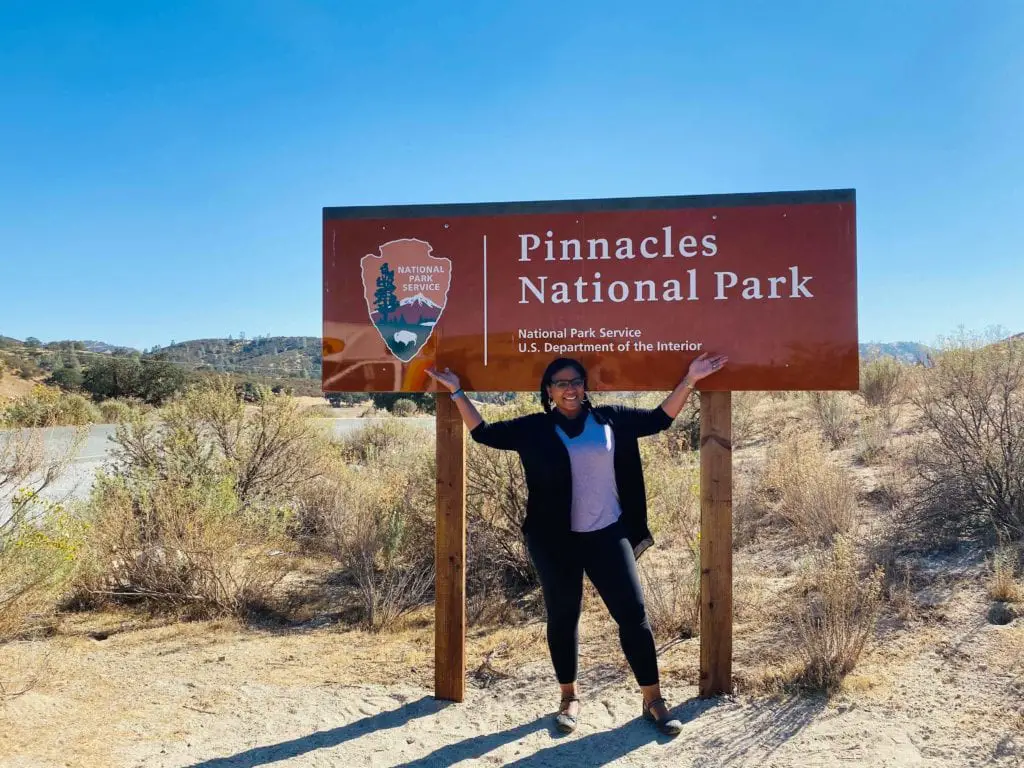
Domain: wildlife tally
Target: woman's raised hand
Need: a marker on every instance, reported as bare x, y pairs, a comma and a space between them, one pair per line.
704, 366
445, 378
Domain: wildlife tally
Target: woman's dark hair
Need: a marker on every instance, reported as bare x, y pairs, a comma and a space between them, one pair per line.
553, 367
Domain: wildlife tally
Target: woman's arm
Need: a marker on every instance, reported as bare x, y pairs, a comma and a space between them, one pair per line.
470, 415
701, 367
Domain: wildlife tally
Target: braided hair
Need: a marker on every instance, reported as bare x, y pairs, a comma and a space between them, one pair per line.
553, 367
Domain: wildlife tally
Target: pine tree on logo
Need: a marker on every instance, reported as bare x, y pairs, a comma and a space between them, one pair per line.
384, 299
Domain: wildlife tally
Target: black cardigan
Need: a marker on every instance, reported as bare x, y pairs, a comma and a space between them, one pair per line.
549, 472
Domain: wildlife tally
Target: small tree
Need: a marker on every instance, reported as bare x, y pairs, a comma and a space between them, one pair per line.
970, 465
68, 377
384, 299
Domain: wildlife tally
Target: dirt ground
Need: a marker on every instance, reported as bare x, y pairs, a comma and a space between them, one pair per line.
13, 387
113, 691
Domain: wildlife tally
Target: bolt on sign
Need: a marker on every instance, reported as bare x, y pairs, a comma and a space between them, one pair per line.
632, 287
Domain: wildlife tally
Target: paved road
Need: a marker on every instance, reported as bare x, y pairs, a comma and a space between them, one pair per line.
95, 452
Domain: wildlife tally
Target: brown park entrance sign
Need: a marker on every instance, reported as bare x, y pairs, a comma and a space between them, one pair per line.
634, 288
631, 287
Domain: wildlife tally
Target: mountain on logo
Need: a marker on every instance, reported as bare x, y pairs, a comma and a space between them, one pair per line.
413, 310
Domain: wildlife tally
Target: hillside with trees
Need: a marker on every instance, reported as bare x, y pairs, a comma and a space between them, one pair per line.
275, 356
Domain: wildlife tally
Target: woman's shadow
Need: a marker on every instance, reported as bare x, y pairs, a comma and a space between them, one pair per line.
766, 727
609, 744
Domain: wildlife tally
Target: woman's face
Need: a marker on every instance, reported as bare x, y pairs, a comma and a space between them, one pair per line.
566, 390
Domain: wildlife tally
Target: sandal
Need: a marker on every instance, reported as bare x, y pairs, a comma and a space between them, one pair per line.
566, 723
668, 725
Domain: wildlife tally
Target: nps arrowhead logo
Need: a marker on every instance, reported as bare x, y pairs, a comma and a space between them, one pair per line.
406, 290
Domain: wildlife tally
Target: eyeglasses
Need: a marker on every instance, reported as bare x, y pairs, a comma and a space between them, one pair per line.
562, 384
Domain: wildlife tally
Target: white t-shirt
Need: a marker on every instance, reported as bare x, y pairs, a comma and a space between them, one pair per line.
595, 496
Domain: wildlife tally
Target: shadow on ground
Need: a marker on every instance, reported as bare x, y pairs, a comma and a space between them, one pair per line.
749, 734
286, 750
730, 734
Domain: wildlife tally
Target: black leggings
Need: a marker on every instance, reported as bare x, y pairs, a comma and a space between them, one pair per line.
607, 558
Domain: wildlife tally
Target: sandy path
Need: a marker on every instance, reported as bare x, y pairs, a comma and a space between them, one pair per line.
215, 696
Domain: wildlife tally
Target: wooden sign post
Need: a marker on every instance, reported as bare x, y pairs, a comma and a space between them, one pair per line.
633, 288
450, 555
715, 543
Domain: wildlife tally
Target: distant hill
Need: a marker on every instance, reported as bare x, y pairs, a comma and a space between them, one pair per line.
904, 351
103, 348
275, 356
300, 357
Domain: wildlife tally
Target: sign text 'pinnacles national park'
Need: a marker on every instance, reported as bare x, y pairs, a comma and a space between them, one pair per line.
634, 288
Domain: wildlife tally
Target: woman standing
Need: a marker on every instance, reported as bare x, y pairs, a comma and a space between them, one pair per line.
586, 512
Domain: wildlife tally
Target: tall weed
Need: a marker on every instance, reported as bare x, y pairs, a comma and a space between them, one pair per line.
836, 616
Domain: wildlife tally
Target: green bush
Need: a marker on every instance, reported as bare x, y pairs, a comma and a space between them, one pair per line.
38, 539
404, 407
151, 380
45, 407
67, 377
121, 411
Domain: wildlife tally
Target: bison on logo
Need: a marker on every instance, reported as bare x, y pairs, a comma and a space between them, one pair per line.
405, 289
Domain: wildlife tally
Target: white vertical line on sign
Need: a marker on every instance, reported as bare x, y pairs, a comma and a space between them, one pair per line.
485, 299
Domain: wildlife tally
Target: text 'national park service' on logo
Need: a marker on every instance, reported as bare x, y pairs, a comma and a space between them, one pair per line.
406, 290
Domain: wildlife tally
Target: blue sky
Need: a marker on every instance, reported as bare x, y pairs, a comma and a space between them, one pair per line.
163, 166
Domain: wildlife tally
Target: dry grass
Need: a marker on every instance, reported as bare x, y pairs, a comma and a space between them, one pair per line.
671, 587
883, 383
375, 516
179, 546
836, 617
834, 414
875, 435
1002, 583
812, 491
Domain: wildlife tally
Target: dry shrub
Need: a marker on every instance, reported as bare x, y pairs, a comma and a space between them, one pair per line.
320, 412
673, 494
874, 434
671, 587
1002, 584
378, 439
881, 383
385, 548
812, 491
122, 410
499, 567
38, 538
970, 459
377, 516
746, 424
46, 407
271, 451
836, 617
195, 516
834, 415
180, 545
750, 511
